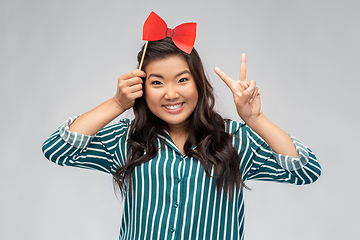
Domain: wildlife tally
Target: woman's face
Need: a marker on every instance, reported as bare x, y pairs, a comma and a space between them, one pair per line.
170, 91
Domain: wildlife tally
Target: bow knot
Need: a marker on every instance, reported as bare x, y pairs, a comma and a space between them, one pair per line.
169, 32
183, 36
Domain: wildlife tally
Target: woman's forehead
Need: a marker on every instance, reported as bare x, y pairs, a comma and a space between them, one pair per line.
171, 66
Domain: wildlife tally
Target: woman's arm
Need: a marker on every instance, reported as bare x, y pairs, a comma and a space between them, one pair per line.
248, 105
75, 143
259, 162
129, 88
279, 141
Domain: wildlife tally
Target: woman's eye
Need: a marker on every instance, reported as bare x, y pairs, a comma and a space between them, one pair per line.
156, 83
183, 80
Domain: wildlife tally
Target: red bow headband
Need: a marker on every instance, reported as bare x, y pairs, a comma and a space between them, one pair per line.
183, 36
155, 29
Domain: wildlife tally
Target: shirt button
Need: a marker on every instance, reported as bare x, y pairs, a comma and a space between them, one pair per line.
178, 179
172, 230
176, 204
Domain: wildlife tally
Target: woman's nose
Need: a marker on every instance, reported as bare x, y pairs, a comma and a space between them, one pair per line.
171, 93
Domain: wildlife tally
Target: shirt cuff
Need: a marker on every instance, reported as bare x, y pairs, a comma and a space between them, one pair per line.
290, 163
75, 139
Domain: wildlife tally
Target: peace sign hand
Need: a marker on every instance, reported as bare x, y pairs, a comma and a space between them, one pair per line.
246, 94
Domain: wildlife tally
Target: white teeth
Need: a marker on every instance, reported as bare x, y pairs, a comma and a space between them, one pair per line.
171, 107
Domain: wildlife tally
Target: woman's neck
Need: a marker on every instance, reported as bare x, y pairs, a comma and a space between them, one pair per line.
179, 136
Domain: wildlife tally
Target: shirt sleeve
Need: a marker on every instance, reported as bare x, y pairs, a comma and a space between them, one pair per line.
260, 162
105, 151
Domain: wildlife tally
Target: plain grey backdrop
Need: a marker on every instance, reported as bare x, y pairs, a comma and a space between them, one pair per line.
62, 58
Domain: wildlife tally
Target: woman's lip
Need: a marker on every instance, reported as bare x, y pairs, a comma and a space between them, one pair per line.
176, 110
173, 104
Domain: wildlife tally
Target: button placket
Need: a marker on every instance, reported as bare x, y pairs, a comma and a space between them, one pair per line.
178, 178
176, 194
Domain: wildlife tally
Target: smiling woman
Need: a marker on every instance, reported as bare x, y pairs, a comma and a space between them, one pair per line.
180, 166
177, 78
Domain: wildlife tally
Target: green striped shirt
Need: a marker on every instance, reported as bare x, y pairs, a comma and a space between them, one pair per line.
172, 198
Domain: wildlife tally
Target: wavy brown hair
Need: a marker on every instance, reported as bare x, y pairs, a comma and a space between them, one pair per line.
214, 146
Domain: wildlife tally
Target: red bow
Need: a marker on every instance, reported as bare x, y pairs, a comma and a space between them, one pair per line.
183, 36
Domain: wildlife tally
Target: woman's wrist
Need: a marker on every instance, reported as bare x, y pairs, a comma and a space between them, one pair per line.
255, 121
115, 104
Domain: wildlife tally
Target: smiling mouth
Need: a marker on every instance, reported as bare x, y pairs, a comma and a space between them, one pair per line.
173, 107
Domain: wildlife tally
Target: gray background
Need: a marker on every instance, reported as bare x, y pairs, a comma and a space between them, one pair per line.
62, 58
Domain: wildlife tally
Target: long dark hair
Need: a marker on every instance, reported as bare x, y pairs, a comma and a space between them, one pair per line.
214, 148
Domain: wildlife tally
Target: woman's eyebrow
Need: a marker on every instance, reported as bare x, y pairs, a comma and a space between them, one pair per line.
177, 75
155, 75
183, 72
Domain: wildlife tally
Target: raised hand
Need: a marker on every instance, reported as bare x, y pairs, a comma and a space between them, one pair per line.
129, 88
246, 94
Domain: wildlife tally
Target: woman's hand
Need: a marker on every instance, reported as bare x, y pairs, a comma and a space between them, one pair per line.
248, 105
129, 88
246, 94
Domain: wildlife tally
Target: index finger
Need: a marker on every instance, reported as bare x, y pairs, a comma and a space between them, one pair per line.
227, 80
242, 75
135, 73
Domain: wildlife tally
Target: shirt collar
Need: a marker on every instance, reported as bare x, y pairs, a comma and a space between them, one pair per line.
165, 136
